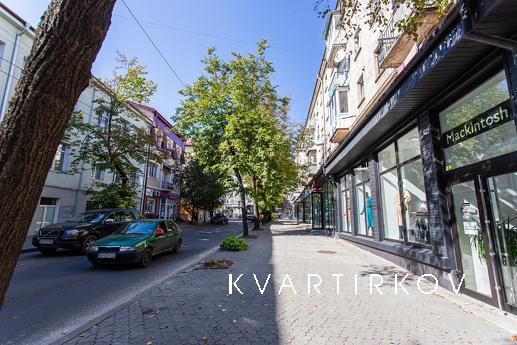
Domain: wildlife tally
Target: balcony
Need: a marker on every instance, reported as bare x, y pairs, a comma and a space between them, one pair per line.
394, 45
340, 79
340, 128
168, 185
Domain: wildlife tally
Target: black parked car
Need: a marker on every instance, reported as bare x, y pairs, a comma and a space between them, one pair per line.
219, 218
82, 230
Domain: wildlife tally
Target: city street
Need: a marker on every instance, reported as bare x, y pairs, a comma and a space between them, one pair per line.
49, 296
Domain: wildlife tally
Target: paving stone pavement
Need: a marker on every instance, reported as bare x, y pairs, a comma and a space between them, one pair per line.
195, 307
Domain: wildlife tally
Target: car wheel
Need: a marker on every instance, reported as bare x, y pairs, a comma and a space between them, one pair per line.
147, 256
177, 246
47, 251
88, 241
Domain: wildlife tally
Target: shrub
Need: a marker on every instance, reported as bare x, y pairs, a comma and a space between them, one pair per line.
234, 244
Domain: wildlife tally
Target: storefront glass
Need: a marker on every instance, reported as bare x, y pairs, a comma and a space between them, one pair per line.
503, 196
329, 206
316, 209
403, 199
346, 203
470, 237
479, 126
363, 197
308, 210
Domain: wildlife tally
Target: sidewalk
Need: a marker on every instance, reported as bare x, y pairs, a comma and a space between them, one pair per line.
194, 307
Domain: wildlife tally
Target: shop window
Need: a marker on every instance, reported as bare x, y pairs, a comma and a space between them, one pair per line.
479, 126
346, 202
316, 209
363, 197
404, 203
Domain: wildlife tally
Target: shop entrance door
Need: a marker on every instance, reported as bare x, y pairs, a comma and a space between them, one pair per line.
485, 227
471, 239
502, 193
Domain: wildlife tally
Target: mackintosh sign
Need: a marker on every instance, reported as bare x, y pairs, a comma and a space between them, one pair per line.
492, 118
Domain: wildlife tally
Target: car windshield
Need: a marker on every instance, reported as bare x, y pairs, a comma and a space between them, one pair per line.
141, 228
89, 217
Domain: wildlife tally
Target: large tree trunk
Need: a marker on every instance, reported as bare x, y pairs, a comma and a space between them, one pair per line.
256, 212
244, 210
58, 70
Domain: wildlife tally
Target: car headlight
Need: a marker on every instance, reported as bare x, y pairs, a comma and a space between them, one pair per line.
127, 249
93, 249
71, 233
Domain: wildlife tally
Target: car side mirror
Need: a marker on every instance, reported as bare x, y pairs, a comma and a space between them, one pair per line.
109, 221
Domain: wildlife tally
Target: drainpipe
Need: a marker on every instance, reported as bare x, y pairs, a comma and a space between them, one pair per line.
471, 34
14, 55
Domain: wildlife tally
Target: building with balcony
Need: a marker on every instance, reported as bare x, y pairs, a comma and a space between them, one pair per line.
425, 175
62, 196
162, 180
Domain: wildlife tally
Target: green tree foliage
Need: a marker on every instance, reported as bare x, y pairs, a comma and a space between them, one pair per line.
380, 11
119, 140
201, 189
237, 124
111, 196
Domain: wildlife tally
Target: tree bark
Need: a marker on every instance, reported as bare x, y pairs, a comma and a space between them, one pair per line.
58, 70
256, 212
244, 210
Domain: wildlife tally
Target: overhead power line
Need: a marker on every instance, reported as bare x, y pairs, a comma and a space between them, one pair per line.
287, 49
154, 44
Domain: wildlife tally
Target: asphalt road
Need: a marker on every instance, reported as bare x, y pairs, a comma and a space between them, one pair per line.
50, 296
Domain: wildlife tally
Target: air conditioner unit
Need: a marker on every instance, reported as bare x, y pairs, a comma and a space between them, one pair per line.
156, 193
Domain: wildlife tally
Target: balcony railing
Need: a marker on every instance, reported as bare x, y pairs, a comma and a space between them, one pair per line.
339, 79
340, 128
168, 185
394, 45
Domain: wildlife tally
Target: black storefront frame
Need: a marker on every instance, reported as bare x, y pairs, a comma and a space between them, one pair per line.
479, 172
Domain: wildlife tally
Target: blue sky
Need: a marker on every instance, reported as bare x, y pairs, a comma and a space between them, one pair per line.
183, 30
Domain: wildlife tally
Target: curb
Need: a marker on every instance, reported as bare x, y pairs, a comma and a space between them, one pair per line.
28, 250
80, 330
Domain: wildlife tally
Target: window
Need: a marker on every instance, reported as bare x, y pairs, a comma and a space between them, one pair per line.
153, 170
360, 90
363, 210
376, 63
150, 206
61, 159
346, 202
97, 174
2, 49
479, 126
103, 121
404, 203
343, 101
128, 216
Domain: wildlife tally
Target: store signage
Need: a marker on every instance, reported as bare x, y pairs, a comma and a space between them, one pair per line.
492, 118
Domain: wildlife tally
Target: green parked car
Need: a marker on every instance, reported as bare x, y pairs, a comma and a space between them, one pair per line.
136, 243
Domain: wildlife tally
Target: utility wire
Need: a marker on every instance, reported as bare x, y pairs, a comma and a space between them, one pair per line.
154, 44
220, 37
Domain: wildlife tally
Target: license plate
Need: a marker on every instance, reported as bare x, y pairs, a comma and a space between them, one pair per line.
106, 255
44, 241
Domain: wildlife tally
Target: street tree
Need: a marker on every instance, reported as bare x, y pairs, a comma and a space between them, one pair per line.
119, 141
201, 189
380, 11
230, 114
58, 69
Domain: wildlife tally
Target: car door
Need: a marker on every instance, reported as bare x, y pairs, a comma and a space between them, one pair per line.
172, 234
112, 223
161, 241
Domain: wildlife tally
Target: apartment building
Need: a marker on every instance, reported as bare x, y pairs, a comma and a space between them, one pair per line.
62, 196
162, 183
422, 168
